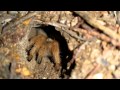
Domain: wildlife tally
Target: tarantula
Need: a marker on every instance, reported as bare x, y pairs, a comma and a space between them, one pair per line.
40, 46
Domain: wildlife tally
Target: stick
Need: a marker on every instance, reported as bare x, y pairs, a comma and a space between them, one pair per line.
93, 22
19, 21
70, 32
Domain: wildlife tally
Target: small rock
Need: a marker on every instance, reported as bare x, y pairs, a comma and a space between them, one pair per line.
13, 12
112, 67
74, 21
98, 76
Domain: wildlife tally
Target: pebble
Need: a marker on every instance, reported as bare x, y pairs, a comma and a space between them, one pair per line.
98, 76
13, 12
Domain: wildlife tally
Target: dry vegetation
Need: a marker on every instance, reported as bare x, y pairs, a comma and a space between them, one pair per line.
80, 44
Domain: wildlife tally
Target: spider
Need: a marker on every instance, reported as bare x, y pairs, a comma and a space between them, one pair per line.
40, 47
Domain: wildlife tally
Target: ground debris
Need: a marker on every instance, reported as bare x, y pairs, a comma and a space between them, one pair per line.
88, 44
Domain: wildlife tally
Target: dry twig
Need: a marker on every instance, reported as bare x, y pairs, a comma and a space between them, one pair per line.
93, 22
19, 21
76, 54
89, 75
64, 28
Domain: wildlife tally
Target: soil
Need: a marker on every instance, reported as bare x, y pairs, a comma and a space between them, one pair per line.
86, 52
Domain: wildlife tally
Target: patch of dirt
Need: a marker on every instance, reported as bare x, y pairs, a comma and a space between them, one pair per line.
59, 45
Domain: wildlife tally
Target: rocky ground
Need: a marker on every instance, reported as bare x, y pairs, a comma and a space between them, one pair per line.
89, 43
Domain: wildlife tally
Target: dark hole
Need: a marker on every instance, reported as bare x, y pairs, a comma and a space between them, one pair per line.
64, 50
9, 66
75, 14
